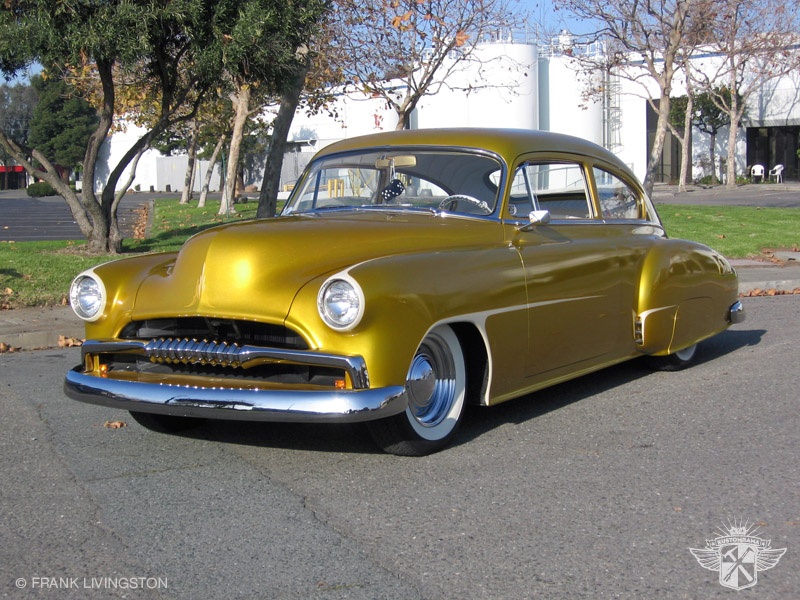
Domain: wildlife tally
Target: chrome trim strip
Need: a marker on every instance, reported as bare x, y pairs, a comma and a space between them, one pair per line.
736, 313
185, 351
236, 404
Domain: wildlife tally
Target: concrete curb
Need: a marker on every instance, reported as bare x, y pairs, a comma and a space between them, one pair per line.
30, 328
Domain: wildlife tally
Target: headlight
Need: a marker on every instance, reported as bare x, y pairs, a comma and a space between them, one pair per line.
87, 296
341, 302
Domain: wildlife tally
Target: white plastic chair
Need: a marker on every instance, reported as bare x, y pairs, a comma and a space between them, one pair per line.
776, 173
756, 171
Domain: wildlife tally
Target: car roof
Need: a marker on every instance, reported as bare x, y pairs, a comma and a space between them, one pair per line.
508, 143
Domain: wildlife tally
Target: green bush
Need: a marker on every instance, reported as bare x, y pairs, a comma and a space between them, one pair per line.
40, 188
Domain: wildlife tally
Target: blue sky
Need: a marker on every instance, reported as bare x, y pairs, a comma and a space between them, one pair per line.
543, 11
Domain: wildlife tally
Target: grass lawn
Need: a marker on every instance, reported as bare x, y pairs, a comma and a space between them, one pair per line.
39, 273
735, 231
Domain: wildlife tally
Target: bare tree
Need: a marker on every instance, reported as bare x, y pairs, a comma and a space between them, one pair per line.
680, 124
403, 50
643, 42
749, 43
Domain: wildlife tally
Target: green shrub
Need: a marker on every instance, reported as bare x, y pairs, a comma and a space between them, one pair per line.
40, 188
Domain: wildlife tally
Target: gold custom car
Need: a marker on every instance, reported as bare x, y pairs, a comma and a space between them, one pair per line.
410, 273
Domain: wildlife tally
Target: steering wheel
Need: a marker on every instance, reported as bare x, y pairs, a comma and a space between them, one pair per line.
451, 201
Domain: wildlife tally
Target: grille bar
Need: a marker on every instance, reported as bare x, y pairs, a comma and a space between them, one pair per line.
187, 351
191, 351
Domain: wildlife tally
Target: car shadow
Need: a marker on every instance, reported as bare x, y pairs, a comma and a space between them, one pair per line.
480, 420
353, 438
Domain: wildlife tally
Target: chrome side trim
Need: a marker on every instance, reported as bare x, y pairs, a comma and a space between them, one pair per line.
184, 350
236, 404
736, 313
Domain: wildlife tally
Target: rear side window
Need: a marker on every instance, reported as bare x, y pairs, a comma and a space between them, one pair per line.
558, 187
616, 198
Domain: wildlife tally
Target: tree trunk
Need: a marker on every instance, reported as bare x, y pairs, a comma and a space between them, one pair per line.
713, 142
242, 104
732, 134
115, 236
188, 180
210, 172
731, 166
268, 197
686, 142
658, 143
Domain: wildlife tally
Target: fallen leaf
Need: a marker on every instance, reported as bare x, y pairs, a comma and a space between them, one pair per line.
115, 424
721, 237
68, 342
6, 348
8, 291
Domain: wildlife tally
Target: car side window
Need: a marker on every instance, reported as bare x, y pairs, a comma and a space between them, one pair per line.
617, 199
558, 187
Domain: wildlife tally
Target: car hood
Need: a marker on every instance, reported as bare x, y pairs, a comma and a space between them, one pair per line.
253, 270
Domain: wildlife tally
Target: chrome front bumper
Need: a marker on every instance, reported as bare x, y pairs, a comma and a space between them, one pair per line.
236, 404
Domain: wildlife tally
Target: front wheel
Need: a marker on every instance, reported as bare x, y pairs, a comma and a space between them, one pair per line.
436, 387
674, 362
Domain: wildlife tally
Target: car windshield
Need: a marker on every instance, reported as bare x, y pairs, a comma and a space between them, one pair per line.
401, 179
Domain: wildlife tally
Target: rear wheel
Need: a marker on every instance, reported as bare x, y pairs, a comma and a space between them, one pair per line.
674, 362
436, 388
164, 423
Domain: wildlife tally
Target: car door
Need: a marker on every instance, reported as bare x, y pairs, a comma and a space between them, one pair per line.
571, 269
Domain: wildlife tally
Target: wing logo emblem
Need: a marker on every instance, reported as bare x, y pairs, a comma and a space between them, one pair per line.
738, 555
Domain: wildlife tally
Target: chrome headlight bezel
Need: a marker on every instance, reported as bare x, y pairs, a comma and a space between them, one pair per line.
341, 288
85, 284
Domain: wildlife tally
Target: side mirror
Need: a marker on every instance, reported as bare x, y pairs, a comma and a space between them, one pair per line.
536, 217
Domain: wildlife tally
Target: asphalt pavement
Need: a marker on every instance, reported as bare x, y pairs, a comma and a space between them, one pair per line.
593, 489
24, 219
43, 327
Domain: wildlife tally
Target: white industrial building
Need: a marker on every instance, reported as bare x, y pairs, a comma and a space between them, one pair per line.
520, 84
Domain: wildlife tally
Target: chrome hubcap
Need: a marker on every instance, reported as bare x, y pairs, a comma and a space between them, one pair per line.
430, 383
686, 353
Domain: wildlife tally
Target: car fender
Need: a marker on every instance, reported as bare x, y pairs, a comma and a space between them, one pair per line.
122, 279
407, 295
684, 293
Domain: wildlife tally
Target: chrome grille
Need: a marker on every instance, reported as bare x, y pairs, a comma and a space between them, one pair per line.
188, 351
